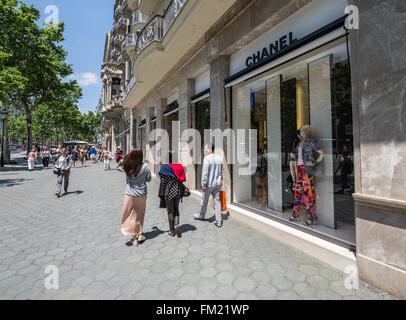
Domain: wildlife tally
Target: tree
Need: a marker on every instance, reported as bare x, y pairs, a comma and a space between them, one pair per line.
17, 129
34, 59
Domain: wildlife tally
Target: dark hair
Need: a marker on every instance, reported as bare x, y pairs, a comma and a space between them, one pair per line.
132, 162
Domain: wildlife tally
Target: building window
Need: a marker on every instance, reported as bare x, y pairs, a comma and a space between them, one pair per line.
313, 90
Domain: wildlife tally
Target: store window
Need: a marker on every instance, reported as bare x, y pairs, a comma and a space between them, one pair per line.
302, 113
202, 124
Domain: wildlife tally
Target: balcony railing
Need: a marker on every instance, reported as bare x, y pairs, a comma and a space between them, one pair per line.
118, 38
171, 13
128, 87
120, 59
118, 10
138, 17
158, 26
151, 32
114, 54
129, 40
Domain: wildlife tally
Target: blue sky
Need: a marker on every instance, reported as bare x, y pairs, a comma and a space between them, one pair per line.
86, 25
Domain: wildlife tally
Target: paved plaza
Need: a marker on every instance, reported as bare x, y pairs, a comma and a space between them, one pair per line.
79, 233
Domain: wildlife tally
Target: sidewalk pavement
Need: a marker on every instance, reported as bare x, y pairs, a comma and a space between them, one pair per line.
80, 234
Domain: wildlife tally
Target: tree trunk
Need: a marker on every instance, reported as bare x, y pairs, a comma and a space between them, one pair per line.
6, 147
29, 132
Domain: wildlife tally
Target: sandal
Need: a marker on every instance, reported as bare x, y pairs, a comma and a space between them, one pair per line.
171, 233
134, 242
141, 238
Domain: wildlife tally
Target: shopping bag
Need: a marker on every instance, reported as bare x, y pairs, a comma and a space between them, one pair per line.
223, 201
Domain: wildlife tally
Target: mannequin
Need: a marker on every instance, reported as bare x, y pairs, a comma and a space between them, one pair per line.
306, 163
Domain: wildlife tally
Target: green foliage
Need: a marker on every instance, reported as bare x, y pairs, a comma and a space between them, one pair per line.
33, 69
17, 130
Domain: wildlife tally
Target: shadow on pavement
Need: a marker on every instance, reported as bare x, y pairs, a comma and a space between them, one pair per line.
12, 182
186, 228
19, 168
73, 192
153, 234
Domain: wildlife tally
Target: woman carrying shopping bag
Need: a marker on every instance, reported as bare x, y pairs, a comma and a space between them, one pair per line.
171, 191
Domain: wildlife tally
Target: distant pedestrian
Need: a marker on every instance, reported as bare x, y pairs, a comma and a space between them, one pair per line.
83, 156
212, 179
92, 154
107, 156
133, 213
59, 150
45, 156
75, 155
171, 191
119, 155
31, 158
62, 166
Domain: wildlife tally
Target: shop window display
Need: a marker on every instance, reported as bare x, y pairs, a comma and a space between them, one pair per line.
303, 116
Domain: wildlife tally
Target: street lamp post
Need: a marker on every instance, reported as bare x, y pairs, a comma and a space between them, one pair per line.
3, 117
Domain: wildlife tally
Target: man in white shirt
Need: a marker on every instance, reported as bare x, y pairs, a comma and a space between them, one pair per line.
63, 163
212, 179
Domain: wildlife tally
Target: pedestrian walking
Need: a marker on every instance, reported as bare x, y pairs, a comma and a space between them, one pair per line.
119, 155
92, 154
83, 155
212, 179
31, 158
107, 156
59, 150
133, 213
171, 191
62, 166
75, 155
45, 156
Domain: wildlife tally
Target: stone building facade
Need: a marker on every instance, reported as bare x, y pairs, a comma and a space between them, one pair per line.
274, 67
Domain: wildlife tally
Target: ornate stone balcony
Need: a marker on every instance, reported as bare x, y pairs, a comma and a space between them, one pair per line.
120, 59
114, 54
166, 38
121, 25
138, 20
128, 42
118, 41
128, 87
126, 9
119, 9
158, 26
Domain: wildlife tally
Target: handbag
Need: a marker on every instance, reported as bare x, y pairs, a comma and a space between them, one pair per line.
186, 192
57, 171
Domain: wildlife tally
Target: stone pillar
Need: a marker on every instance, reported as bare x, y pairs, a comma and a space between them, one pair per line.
131, 129
113, 137
219, 71
379, 114
186, 91
220, 110
161, 124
